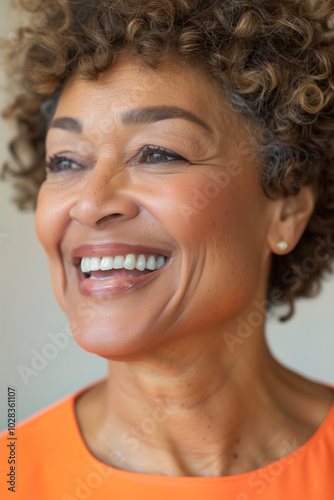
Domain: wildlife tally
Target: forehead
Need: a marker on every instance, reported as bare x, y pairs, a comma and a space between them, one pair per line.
130, 83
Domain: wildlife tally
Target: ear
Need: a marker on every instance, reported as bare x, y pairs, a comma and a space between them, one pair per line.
290, 218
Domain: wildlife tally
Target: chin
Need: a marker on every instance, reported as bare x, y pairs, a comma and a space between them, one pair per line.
109, 342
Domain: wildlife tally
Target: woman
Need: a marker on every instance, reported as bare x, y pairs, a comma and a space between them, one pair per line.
189, 175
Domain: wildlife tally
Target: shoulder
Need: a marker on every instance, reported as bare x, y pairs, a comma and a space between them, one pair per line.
42, 448
55, 421
53, 418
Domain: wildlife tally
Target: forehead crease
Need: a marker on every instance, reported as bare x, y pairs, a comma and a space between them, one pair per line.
116, 91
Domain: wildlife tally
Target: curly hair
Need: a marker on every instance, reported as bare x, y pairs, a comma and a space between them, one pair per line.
274, 61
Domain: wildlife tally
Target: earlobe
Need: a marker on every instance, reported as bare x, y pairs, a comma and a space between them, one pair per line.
282, 245
290, 220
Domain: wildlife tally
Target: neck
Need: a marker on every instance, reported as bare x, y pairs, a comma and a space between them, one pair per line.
193, 410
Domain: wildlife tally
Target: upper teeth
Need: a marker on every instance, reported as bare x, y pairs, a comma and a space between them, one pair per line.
130, 261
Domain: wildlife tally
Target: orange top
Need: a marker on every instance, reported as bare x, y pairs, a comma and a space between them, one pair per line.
52, 462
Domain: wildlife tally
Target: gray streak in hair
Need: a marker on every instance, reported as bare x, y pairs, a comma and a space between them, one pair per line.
48, 107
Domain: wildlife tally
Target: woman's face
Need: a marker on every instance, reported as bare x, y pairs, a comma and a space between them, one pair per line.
151, 163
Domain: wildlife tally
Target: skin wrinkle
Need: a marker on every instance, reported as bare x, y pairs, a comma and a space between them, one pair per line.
164, 94
198, 141
171, 347
137, 116
263, 87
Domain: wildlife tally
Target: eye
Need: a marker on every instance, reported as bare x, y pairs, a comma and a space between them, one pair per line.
60, 164
156, 154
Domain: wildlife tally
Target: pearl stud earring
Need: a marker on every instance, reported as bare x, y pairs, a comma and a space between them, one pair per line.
282, 245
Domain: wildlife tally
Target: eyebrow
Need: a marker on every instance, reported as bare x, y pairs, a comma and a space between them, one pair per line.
137, 116
67, 124
159, 113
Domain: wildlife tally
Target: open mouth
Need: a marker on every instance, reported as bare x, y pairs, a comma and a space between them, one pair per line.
118, 266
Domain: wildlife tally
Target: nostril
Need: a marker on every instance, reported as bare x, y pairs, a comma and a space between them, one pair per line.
109, 218
96, 209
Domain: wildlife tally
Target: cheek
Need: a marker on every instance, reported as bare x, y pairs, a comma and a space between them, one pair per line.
212, 208
51, 221
47, 217
222, 227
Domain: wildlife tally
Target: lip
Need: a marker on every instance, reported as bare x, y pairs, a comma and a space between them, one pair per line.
112, 249
117, 285
114, 286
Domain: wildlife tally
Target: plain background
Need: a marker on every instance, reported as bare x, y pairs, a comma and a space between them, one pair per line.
32, 324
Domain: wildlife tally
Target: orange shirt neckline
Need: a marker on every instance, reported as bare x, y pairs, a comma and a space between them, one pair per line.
294, 456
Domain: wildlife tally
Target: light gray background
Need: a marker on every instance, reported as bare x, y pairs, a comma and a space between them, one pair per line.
30, 317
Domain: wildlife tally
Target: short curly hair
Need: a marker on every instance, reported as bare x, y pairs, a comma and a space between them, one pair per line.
274, 61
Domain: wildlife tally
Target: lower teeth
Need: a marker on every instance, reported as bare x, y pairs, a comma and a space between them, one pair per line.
103, 278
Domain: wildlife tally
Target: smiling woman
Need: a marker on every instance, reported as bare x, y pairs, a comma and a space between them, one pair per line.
187, 172
120, 175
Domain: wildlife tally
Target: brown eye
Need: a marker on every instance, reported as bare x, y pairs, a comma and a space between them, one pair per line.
61, 164
157, 155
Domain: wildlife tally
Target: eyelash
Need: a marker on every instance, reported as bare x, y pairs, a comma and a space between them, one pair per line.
54, 163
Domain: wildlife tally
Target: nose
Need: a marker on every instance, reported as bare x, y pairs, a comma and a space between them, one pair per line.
105, 197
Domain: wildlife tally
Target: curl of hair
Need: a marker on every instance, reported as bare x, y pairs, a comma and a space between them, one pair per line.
273, 59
